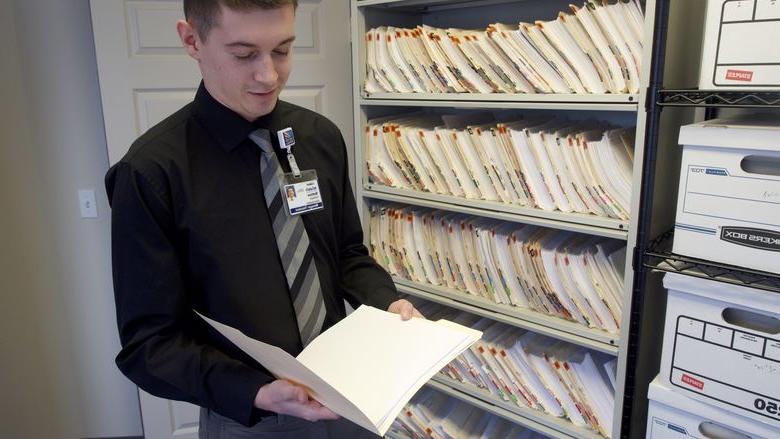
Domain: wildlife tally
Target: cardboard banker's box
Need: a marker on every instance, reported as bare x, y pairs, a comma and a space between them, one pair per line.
728, 205
721, 346
741, 49
672, 415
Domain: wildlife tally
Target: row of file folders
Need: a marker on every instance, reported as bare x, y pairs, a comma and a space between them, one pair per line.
433, 415
597, 48
562, 274
544, 162
533, 371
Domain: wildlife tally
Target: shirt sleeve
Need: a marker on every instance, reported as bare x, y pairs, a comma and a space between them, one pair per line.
164, 344
363, 280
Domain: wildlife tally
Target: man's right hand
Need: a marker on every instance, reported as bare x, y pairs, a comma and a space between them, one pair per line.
286, 398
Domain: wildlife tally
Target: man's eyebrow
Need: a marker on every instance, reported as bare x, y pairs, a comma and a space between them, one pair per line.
240, 44
252, 46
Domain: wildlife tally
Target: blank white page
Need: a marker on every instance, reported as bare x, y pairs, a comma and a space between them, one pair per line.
378, 361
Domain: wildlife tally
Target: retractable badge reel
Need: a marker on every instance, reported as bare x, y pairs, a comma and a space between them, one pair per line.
300, 189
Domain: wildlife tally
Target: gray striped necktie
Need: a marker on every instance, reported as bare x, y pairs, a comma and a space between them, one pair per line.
293, 244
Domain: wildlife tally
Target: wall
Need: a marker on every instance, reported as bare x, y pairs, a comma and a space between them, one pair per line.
57, 328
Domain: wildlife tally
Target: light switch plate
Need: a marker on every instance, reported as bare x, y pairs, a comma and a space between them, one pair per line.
87, 203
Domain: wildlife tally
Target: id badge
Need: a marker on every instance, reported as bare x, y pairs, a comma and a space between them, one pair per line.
301, 194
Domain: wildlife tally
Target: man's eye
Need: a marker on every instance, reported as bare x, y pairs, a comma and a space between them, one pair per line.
282, 52
243, 56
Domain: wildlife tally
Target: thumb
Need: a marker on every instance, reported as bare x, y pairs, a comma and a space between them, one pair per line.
406, 312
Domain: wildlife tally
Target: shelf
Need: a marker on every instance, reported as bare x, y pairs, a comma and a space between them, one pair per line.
657, 257
604, 102
575, 222
719, 98
522, 318
428, 5
533, 419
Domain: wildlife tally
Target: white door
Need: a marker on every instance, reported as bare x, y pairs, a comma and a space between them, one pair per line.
145, 75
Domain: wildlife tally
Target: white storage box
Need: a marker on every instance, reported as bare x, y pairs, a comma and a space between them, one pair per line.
674, 416
741, 47
728, 205
722, 346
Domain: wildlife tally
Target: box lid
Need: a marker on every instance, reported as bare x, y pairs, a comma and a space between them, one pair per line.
765, 301
759, 131
659, 393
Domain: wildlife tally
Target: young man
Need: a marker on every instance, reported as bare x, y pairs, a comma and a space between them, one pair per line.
198, 223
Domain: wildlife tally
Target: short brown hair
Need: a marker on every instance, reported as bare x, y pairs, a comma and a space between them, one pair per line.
204, 14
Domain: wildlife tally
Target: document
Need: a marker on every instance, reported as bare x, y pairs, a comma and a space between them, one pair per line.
445, 71
557, 33
536, 35
366, 367
618, 43
461, 66
498, 34
374, 82
616, 67
580, 36
385, 64
432, 414
566, 275
466, 41
596, 50
636, 18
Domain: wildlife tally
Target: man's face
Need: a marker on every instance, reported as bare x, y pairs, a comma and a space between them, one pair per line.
246, 58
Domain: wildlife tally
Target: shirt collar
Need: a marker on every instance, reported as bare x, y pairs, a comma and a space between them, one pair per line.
225, 125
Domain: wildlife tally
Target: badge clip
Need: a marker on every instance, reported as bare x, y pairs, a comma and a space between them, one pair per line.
286, 141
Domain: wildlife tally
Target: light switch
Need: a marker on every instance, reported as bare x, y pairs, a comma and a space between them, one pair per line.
87, 203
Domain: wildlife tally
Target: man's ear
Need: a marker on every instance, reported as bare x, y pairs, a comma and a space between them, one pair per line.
189, 38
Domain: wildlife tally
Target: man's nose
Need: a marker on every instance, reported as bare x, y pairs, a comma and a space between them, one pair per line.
265, 71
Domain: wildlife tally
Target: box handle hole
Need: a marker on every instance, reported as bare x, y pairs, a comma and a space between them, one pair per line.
752, 320
711, 430
761, 164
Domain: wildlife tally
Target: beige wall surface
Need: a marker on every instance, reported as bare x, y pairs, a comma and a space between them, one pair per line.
57, 329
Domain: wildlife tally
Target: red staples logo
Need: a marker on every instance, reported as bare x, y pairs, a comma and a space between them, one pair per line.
693, 382
739, 75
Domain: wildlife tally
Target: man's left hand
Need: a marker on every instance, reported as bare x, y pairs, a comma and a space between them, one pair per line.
405, 309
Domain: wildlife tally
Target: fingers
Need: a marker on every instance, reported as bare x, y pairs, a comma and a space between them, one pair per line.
404, 308
287, 398
309, 410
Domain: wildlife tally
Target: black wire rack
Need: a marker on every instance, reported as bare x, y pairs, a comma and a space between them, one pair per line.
658, 257
718, 98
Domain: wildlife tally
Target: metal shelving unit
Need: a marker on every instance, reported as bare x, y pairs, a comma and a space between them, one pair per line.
717, 98
522, 318
652, 252
606, 102
575, 222
463, 13
658, 257
656, 254
655, 251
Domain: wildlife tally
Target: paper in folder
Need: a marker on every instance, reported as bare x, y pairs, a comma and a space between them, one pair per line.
431, 414
521, 368
366, 367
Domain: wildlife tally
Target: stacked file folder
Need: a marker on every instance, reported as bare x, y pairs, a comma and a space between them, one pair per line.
562, 274
534, 371
431, 414
546, 162
596, 48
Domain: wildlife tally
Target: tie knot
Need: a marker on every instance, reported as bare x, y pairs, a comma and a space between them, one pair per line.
262, 137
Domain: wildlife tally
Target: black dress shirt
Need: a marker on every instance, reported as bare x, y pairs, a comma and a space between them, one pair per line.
191, 229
